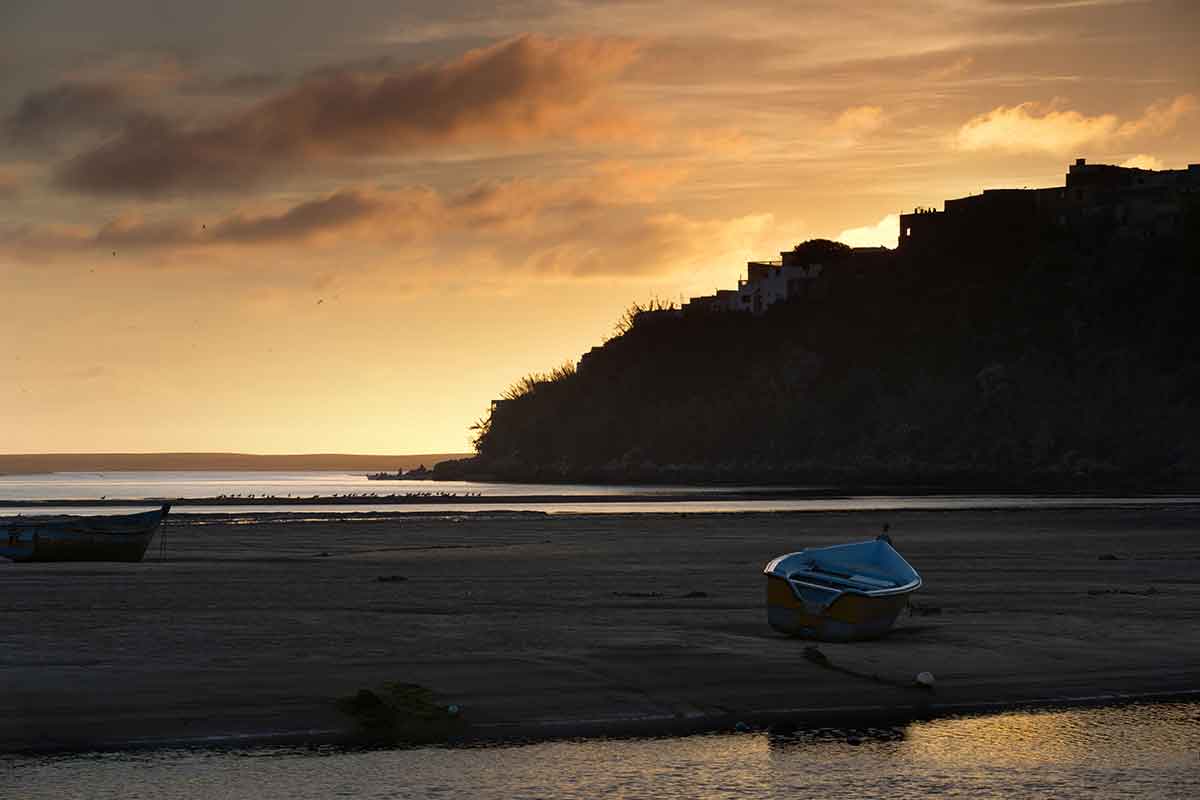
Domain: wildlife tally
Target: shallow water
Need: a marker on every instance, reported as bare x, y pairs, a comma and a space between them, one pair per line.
199, 484
1144, 750
210, 483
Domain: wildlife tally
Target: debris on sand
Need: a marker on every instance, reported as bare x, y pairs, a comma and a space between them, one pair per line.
400, 712
390, 579
1145, 593
692, 595
925, 679
814, 654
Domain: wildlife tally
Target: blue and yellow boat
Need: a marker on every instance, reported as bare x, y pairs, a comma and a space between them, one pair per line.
66, 537
839, 593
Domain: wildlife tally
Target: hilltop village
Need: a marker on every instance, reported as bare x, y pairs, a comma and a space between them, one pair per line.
1031, 337
1097, 202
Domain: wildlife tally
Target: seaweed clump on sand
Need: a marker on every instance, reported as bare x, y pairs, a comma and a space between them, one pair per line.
402, 713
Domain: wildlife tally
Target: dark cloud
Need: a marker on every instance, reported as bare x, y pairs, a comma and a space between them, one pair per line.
337, 211
43, 117
245, 83
250, 82
520, 216
518, 90
152, 155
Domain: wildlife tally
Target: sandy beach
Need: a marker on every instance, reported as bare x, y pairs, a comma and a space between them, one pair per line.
545, 625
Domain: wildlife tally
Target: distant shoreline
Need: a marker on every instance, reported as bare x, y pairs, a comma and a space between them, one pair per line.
488, 502
424, 498
44, 463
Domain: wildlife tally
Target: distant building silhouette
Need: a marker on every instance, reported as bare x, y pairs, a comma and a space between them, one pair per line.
793, 276
1098, 201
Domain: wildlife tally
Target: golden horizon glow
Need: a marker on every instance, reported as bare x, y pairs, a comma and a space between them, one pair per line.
353, 239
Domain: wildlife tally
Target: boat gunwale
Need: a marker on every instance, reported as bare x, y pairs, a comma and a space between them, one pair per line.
913, 585
87, 537
150, 517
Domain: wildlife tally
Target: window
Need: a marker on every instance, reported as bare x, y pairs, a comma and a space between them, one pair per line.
908, 231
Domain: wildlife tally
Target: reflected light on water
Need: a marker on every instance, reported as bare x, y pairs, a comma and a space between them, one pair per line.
1144, 750
1032, 739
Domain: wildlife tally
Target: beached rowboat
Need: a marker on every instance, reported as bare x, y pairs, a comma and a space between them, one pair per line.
839, 593
122, 537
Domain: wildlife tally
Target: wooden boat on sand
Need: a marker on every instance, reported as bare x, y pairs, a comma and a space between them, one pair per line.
121, 537
839, 593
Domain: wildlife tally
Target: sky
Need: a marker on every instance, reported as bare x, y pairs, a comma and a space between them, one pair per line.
296, 226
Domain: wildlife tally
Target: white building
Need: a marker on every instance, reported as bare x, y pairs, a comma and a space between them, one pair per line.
766, 283
771, 282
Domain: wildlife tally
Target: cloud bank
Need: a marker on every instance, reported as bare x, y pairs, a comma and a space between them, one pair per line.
523, 89
46, 116
604, 223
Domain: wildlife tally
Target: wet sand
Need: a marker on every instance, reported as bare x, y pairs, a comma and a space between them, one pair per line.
550, 625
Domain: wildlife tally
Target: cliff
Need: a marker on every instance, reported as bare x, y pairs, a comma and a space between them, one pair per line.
1021, 353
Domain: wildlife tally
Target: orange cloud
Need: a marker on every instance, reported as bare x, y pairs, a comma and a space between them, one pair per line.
519, 216
1029, 128
523, 89
1160, 118
654, 244
346, 213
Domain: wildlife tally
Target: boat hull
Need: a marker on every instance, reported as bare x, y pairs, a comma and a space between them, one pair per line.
839, 593
850, 617
68, 538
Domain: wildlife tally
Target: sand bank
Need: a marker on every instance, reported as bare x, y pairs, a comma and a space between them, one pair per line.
554, 625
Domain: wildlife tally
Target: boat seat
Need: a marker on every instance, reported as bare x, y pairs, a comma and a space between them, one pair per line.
855, 581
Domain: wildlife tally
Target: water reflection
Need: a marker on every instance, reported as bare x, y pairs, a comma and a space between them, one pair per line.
1145, 750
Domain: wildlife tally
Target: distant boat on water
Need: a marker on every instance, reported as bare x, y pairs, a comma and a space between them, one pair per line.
839, 593
65, 537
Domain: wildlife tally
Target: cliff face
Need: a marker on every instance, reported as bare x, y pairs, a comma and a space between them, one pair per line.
1023, 357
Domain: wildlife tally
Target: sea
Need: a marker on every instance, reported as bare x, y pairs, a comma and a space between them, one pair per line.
355, 493
1135, 750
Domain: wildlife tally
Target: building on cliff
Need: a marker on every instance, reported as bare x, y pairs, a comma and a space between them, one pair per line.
1099, 201
791, 277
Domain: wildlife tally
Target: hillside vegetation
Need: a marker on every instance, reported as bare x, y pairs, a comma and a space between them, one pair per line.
1031, 359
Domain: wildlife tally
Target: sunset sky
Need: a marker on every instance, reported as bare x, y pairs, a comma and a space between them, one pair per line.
300, 226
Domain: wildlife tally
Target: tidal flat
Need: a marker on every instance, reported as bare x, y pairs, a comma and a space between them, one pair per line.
249, 629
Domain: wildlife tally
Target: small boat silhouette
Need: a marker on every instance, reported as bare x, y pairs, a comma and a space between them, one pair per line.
66, 537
